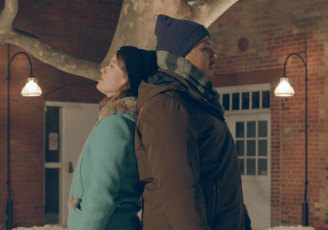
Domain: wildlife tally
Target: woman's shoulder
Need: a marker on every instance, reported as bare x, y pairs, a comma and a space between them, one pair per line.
114, 128
118, 120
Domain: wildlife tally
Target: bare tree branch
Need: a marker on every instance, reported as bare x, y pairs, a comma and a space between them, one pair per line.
206, 12
7, 16
135, 27
41, 50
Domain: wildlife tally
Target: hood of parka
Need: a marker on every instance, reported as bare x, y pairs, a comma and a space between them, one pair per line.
126, 105
174, 82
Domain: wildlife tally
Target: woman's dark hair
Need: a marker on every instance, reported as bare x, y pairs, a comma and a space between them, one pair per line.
121, 92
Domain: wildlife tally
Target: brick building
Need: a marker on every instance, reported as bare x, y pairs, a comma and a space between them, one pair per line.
253, 39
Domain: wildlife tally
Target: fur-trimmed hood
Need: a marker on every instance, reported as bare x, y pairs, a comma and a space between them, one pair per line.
126, 105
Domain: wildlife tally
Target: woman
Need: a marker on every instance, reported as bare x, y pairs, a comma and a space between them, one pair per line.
105, 190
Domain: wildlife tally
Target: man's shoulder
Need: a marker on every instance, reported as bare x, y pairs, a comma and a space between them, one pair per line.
163, 97
158, 83
160, 86
161, 79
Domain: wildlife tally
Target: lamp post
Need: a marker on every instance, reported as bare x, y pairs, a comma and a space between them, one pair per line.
31, 89
284, 89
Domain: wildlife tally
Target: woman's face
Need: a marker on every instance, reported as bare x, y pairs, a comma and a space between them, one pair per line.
112, 78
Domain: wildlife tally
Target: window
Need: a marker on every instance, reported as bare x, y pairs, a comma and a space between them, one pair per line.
247, 111
246, 98
252, 146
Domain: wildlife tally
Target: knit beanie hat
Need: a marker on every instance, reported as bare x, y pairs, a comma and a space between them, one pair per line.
178, 36
140, 64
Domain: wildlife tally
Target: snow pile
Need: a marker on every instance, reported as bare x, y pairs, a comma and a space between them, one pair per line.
299, 227
46, 227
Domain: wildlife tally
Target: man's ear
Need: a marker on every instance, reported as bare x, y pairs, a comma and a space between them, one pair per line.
186, 54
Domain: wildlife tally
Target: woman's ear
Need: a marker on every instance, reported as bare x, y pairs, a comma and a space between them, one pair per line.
127, 79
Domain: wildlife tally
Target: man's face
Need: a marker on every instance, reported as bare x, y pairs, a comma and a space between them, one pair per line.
203, 57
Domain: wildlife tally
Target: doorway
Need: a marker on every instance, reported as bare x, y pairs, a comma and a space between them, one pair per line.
248, 116
252, 138
67, 126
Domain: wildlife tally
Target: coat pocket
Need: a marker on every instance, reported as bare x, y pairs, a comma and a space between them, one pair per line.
73, 218
212, 195
217, 200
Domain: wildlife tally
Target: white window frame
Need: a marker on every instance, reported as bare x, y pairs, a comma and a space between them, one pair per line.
242, 89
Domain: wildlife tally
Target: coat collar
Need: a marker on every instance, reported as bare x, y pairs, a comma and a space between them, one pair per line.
149, 90
126, 105
200, 83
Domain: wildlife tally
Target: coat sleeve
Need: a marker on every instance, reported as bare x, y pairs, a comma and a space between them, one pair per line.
172, 155
110, 142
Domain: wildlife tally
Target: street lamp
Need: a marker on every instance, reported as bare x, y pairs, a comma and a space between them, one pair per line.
31, 89
284, 89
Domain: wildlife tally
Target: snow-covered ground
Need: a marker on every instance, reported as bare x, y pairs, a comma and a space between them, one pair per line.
48, 227
299, 227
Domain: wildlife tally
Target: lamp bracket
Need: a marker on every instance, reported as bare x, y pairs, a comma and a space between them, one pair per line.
13, 59
305, 64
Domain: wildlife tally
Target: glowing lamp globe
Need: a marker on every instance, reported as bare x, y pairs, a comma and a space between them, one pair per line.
284, 89
31, 89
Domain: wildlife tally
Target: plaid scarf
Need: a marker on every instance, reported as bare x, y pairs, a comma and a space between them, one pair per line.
183, 67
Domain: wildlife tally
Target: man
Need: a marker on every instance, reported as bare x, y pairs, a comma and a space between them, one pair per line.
187, 159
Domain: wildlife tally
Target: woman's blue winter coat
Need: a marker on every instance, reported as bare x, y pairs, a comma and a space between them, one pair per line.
108, 191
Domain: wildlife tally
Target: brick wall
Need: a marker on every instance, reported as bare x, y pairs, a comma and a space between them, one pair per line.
275, 29
81, 28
